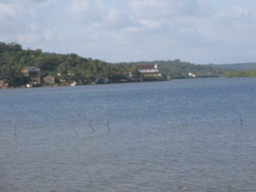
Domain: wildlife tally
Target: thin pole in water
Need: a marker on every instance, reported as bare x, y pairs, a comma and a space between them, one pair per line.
13, 124
240, 114
91, 127
181, 122
106, 117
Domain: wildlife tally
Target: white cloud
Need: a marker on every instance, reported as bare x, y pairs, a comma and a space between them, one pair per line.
48, 35
79, 6
233, 12
164, 8
165, 16
4, 38
112, 14
7, 9
85, 11
190, 30
24, 21
150, 24
27, 38
100, 4
239, 11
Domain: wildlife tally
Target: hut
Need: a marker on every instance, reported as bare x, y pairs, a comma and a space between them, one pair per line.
1, 83
49, 80
33, 73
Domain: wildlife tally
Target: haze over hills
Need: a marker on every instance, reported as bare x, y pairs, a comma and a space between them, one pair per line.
180, 69
236, 66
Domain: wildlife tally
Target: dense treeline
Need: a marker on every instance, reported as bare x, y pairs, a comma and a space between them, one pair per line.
71, 67
68, 67
178, 69
236, 66
240, 74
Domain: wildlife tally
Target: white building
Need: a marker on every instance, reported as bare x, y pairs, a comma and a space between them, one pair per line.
191, 75
149, 70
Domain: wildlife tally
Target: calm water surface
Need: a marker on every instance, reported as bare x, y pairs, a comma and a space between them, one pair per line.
182, 135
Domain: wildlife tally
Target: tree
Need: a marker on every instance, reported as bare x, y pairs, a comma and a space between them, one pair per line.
14, 47
135, 73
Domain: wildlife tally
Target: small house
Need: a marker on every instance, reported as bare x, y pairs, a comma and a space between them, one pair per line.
3, 84
49, 80
33, 73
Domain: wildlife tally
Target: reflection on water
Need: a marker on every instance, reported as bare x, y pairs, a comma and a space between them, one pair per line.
165, 136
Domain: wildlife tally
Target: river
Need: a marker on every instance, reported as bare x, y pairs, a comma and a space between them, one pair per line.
179, 135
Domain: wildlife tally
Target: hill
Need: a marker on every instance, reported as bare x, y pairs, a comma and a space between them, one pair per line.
68, 68
236, 66
179, 69
71, 67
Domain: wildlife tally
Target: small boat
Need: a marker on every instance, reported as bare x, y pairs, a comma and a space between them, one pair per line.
73, 84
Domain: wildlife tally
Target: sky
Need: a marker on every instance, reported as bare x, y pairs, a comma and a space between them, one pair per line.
195, 31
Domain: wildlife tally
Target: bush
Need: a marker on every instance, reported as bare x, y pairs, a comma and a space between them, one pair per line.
152, 78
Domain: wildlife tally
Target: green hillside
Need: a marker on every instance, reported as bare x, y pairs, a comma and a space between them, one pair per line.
70, 66
179, 69
236, 67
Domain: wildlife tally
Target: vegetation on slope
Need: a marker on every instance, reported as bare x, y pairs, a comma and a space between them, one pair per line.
70, 67
178, 69
240, 74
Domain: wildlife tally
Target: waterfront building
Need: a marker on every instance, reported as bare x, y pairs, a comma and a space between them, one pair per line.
148, 70
33, 73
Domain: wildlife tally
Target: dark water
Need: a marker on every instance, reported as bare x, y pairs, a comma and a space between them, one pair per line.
182, 135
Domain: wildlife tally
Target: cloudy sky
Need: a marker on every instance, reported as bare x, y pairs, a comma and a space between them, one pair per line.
196, 31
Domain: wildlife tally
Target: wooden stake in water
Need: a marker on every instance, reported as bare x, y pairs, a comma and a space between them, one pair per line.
75, 126
91, 127
240, 114
181, 122
106, 116
13, 124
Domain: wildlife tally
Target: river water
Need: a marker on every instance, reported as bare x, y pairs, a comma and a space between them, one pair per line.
180, 135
